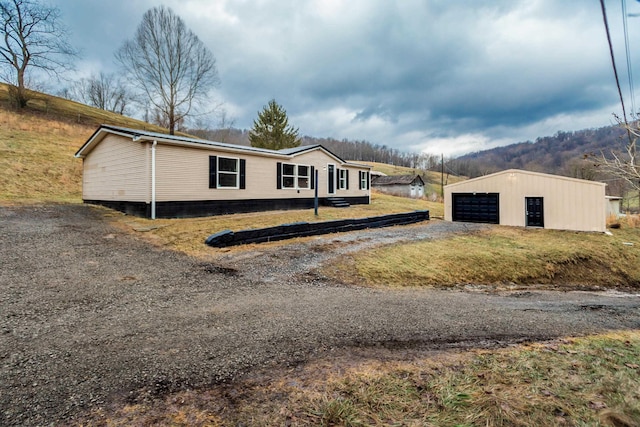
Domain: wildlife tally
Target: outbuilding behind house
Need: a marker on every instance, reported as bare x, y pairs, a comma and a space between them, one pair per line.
399, 185
528, 199
157, 175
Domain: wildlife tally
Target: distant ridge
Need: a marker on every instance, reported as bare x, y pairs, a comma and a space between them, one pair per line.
565, 153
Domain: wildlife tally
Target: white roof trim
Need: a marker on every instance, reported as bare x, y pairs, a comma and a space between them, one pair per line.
523, 172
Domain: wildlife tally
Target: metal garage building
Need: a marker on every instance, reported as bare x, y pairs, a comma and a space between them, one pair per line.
528, 199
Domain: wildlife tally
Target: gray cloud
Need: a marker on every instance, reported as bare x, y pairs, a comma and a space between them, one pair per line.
421, 75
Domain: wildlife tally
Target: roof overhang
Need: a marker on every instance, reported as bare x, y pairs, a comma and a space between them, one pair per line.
145, 136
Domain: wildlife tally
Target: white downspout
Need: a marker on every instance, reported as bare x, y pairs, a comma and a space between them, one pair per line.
153, 179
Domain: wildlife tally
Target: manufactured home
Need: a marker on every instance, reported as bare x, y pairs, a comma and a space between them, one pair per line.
528, 199
166, 176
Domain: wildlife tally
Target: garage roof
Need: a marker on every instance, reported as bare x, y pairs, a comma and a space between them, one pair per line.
524, 172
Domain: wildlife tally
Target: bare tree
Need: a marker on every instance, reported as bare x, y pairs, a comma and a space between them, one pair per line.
624, 163
104, 91
169, 64
32, 37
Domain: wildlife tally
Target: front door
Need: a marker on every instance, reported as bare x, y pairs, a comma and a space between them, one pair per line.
331, 179
534, 212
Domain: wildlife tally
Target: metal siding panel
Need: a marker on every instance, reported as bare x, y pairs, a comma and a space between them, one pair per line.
569, 204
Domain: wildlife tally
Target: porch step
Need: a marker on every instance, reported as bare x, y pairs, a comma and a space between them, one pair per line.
337, 202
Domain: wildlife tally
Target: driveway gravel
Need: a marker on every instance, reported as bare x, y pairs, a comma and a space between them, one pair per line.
90, 314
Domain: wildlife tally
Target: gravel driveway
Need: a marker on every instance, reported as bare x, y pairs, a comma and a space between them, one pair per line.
89, 314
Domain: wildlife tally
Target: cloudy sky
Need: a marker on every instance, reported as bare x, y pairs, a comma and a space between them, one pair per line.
435, 76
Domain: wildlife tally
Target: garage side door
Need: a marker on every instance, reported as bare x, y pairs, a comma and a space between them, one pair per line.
469, 207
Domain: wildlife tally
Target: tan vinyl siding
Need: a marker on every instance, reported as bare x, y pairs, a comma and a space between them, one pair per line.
569, 204
117, 169
182, 173
320, 160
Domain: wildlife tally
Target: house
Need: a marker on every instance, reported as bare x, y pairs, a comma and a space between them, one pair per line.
613, 206
399, 185
166, 176
528, 199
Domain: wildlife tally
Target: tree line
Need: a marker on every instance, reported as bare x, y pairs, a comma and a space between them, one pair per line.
351, 150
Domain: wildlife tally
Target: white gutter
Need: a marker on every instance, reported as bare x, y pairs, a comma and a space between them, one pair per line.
153, 179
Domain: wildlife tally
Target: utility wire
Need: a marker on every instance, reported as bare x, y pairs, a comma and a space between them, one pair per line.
615, 70
628, 54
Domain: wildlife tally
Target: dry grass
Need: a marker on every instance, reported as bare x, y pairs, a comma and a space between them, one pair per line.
630, 221
575, 382
58, 109
188, 235
36, 159
37, 145
504, 256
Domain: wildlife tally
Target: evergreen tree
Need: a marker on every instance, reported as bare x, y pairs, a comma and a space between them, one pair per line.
272, 130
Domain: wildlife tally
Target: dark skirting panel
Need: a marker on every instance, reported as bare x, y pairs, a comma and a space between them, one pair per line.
192, 209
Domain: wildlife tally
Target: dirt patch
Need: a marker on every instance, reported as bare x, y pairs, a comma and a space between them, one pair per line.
91, 316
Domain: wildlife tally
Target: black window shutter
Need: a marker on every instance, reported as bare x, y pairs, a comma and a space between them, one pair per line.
360, 180
279, 176
347, 173
213, 166
243, 167
368, 179
313, 177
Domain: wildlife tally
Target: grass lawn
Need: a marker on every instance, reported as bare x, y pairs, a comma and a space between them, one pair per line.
188, 235
591, 381
504, 256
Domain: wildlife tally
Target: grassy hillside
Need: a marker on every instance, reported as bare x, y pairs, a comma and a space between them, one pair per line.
36, 158
58, 109
37, 145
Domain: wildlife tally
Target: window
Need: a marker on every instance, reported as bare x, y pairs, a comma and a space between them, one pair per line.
288, 175
226, 172
304, 176
343, 179
294, 176
364, 180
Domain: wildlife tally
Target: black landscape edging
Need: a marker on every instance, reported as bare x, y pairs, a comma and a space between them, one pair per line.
303, 229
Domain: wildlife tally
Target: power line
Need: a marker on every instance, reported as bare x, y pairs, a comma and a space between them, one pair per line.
615, 70
628, 55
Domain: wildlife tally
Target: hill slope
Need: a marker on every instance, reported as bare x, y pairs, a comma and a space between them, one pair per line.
563, 154
37, 145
